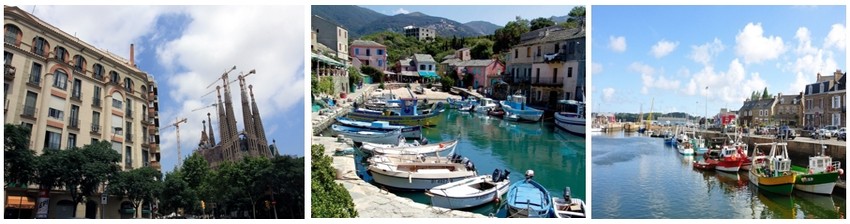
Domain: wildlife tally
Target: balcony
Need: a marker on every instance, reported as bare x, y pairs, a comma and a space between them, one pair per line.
34, 81
549, 81
154, 148
156, 165
151, 96
29, 112
76, 97
151, 113
9, 72
95, 102
95, 128
74, 123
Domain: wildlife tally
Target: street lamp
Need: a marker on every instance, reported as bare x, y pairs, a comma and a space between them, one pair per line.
706, 108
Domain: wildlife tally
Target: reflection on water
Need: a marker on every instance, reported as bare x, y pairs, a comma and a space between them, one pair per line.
640, 177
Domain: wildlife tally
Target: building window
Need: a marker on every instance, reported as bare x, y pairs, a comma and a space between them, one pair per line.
145, 158
129, 132
128, 157
516, 53
114, 77
422, 67
538, 75
380, 62
75, 115
39, 46
29, 104
98, 72
11, 34
380, 52
368, 52
836, 119
569, 72
55, 113
836, 102
95, 122
35, 73
60, 80
76, 92
7, 58
128, 85
72, 140
538, 51
79, 64
60, 54
527, 52
356, 51
117, 103
52, 140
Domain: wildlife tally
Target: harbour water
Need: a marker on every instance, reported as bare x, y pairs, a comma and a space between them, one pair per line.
557, 157
639, 177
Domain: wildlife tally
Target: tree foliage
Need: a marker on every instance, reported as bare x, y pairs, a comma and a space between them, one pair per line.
377, 76
137, 185
576, 17
508, 36
84, 169
541, 23
18, 159
482, 49
764, 94
176, 193
329, 199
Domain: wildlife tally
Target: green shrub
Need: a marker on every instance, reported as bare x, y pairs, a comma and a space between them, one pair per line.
329, 199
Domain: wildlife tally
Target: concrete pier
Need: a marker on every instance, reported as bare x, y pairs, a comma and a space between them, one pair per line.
374, 202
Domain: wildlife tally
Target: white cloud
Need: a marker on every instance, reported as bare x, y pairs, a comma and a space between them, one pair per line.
647, 74
608, 94
810, 60
400, 11
617, 44
663, 48
754, 47
705, 53
804, 41
596, 68
731, 86
837, 37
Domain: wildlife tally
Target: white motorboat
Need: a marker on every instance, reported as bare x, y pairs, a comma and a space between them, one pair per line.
573, 122
485, 105
419, 175
568, 207
470, 192
359, 135
410, 149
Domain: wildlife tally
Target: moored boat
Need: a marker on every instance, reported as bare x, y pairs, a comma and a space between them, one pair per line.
515, 106
772, 172
528, 198
705, 165
410, 149
820, 176
409, 114
470, 192
573, 122
359, 135
729, 160
406, 131
418, 175
568, 207
484, 105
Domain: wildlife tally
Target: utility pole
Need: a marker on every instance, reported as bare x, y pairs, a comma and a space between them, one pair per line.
706, 108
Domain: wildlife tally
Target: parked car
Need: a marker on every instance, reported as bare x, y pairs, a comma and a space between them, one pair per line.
833, 130
842, 134
786, 133
821, 134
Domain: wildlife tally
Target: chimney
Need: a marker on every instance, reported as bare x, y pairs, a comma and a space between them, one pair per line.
837, 75
132, 56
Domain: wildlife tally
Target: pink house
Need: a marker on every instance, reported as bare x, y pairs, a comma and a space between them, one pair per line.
370, 53
483, 71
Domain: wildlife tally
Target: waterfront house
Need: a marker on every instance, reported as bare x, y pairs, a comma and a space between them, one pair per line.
823, 101
757, 112
425, 66
368, 53
332, 35
548, 65
789, 109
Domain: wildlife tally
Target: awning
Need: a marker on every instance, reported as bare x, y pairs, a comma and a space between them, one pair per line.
326, 59
21, 202
428, 74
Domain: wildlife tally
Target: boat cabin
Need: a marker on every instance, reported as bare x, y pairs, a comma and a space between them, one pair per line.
516, 101
570, 106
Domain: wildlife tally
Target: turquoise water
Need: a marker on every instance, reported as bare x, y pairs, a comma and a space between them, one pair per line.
557, 157
640, 177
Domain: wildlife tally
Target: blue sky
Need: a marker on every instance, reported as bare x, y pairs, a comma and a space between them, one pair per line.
499, 15
187, 48
672, 53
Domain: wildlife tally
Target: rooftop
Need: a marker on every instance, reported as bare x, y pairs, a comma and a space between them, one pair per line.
366, 43
423, 58
550, 34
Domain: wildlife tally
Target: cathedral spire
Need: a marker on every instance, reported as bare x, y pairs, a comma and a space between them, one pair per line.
247, 118
211, 133
233, 145
204, 140
258, 124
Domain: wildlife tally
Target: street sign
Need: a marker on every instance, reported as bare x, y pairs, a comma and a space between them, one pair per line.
104, 198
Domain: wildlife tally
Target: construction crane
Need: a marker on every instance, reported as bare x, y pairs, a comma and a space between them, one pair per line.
176, 125
205, 107
253, 71
222, 76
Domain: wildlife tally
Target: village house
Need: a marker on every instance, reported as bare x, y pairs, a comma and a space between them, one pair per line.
368, 53
824, 101
549, 64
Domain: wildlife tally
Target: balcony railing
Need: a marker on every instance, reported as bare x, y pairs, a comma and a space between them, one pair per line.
548, 81
29, 111
9, 71
95, 102
74, 123
95, 128
76, 97
128, 137
128, 114
34, 80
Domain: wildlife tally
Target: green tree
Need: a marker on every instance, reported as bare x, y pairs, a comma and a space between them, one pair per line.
286, 183
447, 81
576, 18
482, 49
251, 179
377, 76
137, 185
328, 198
86, 168
354, 77
19, 161
195, 171
508, 36
765, 95
541, 23
176, 193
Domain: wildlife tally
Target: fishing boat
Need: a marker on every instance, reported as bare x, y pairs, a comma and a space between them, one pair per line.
470, 192
410, 149
705, 165
461, 103
568, 207
685, 148
574, 122
820, 176
730, 160
528, 198
772, 172
413, 132
419, 175
409, 114
485, 105
515, 105
359, 135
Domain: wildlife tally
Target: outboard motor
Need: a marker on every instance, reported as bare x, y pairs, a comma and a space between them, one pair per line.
464, 160
469, 165
424, 141
505, 175
567, 196
497, 175
529, 174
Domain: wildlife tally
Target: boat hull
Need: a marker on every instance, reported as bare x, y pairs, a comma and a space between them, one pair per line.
427, 120
818, 183
414, 181
783, 185
528, 199
572, 124
527, 114
455, 202
379, 137
729, 166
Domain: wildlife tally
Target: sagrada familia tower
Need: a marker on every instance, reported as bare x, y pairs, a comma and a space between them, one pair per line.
234, 145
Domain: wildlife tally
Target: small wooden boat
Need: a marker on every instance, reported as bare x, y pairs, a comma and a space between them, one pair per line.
528, 198
359, 135
772, 173
413, 132
484, 105
704, 165
418, 175
515, 105
409, 114
409, 149
470, 192
573, 122
820, 176
496, 112
568, 207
